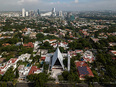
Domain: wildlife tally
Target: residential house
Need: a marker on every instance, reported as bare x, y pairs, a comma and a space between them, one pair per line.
83, 70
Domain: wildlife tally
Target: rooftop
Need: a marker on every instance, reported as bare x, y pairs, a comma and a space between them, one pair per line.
83, 69
33, 69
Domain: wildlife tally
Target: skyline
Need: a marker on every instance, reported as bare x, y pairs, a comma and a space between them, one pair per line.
67, 5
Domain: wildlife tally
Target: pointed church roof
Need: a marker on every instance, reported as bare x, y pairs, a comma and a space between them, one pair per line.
57, 55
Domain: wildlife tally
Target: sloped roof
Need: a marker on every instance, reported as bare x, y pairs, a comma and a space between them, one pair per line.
57, 55
83, 69
33, 69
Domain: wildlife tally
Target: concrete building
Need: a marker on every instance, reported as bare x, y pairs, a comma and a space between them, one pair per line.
46, 14
12, 62
53, 12
38, 13
88, 56
27, 13
60, 13
23, 12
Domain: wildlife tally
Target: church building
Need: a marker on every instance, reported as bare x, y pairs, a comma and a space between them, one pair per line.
56, 61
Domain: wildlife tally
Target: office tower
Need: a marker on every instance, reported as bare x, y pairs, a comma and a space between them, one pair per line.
27, 13
23, 12
60, 13
53, 12
72, 18
31, 13
38, 13
69, 14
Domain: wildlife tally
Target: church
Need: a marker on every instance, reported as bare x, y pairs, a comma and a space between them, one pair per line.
56, 61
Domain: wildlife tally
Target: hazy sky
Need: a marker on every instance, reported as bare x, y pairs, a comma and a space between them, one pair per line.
74, 5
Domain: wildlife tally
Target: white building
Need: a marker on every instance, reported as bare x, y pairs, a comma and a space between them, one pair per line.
27, 13
56, 66
47, 14
25, 57
50, 41
28, 31
23, 72
53, 12
60, 13
12, 62
88, 56
56, 62
23, 12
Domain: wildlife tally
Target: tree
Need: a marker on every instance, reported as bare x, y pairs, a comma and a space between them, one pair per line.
0, 77
36, 58
40, 36
9, 75
46, 44
61, 49
65, 62
65, 75
73, 77
3, 84
60, 77
38, 79
17, 73
46, 66
70, 76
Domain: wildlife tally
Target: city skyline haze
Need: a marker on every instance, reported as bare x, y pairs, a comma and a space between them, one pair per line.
66, 5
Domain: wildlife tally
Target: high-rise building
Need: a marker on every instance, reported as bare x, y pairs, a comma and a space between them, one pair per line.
31, 13
27, 13
60, 13
72, 18
69, 14
23, 12
53, 12
38, 13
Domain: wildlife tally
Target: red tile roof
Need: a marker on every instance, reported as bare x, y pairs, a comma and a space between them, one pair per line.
43, 58
33, 69
82, 64
30, 44
1, 72
12, 60
6, 44
113, 52
114, 58
88, 59
53, 40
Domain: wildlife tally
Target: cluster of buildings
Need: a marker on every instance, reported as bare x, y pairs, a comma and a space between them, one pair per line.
5, 66
54, 60
23, 70
33, 13
28, 70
